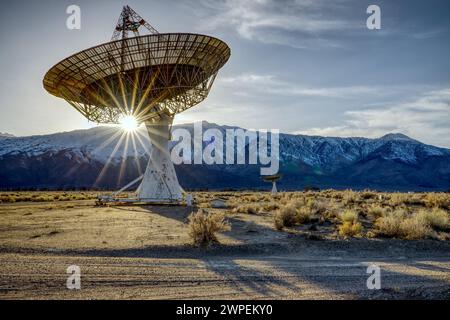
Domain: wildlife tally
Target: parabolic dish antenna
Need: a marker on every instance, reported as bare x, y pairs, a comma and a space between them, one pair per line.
150, 77
273, 178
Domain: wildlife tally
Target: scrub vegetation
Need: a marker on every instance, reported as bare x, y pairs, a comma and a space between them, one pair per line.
346, 214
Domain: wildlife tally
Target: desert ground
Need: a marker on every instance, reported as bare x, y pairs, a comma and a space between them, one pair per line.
295, 245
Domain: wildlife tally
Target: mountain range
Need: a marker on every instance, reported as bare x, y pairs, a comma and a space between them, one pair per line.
100, 158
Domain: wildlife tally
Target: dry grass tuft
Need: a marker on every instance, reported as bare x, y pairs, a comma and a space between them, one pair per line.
285, 217
397, 199
203, 227
400, 224
436, 218
303, 214
247, 208
389, 224
316, 207
368, 195
440, 200
350, 216
350, 226
270, 206
349, 197
45, 196
8, 198
376, 211
414, 228
296, 211
350, 229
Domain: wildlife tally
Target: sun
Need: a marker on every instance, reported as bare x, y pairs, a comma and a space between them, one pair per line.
128, 123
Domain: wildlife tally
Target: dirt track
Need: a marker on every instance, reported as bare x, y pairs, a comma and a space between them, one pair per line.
292, 276
120, 257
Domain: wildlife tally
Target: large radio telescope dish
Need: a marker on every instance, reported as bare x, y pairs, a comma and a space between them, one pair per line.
151, 77
143, 76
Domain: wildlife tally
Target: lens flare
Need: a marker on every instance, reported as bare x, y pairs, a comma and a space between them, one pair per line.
128, 123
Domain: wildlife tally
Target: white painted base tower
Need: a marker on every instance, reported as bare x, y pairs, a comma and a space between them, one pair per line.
274, 187
160, 182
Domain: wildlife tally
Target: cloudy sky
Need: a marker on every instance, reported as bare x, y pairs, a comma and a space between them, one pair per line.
301, 66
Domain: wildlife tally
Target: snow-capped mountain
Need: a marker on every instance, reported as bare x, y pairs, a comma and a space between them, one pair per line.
5, 135
103, 157
96, 143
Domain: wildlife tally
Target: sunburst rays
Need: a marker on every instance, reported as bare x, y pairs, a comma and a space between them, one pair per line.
125, 147
127, 93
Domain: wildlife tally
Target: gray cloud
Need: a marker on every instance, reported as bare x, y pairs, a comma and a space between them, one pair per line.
425, 118
252, 84
280, 22
269, 84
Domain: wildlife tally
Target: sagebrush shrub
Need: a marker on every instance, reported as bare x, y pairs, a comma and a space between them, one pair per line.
247, 208
389, 224
397, 199
349, 197
271, 206
303, 215
400, 224
350, 229
285, 217
436, 218
203, 227
376, 211
440, 200
414, 227
349, 216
